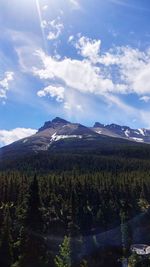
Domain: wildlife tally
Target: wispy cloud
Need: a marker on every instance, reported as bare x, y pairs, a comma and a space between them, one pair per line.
5, 83
145, 98
126, 3
75, 4
44, 7
53, 28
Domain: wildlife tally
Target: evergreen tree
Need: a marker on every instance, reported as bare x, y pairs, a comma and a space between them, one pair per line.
134, 260
6, 254
125, 233
64, 257
74, 231
33, 218
32, 242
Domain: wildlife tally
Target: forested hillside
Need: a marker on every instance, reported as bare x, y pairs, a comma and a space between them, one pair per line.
94, 202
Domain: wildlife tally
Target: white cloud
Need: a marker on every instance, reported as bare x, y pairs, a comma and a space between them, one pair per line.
80, 75
44, 24
145, 98
45, 7
75, 4
89, 48
133, 67
5, 83
67, 106
79, 107
57, 28
53, 28
87, 78
70, 39
73, 106
53, 91
9, 136
121, 70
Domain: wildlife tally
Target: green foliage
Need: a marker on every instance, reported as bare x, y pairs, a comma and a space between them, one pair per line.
84, 263
75, 194
134, 260
31, 240
143, 204
6, 254
125, 232
33, 218
64, 257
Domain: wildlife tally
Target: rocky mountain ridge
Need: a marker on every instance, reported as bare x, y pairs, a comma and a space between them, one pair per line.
58, 133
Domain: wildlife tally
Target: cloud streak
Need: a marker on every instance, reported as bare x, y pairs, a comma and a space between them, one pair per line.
75, 4
126, 3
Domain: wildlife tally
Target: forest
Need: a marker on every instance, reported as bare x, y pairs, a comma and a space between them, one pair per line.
75, 209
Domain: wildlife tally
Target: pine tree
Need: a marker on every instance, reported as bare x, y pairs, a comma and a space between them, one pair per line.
64, 257
6, 254
125, 233
74, 231
31, 242
33, 219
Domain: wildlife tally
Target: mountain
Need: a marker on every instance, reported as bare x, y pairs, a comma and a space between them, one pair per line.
114, 130
50, 132
74, 144
54, 132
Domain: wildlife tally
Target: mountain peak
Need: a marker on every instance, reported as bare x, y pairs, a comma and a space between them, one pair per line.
56, 121
98, 124
46, 125
59, 120
114, 126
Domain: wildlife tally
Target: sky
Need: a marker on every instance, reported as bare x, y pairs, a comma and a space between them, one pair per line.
82, 60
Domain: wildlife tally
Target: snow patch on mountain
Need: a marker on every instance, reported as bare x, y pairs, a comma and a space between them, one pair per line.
127, 132
99, 132
137, 139
136, 132
142, 132
55, 137
25, 140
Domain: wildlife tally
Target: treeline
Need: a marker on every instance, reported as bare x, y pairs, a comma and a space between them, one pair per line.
37, 213
103, 154
46, 162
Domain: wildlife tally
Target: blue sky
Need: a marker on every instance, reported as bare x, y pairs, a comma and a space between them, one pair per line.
82, 60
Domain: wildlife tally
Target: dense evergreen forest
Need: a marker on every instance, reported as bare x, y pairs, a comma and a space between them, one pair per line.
75, 209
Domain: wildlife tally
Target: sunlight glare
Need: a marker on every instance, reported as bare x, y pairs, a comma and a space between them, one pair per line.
40, 20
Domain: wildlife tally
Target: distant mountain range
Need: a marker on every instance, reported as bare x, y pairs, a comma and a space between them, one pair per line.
60, 129
61, 132
114, 130
61, 138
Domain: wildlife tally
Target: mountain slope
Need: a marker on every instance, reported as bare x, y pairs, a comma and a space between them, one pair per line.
62, 145
114, 130
62, 136
50, 132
